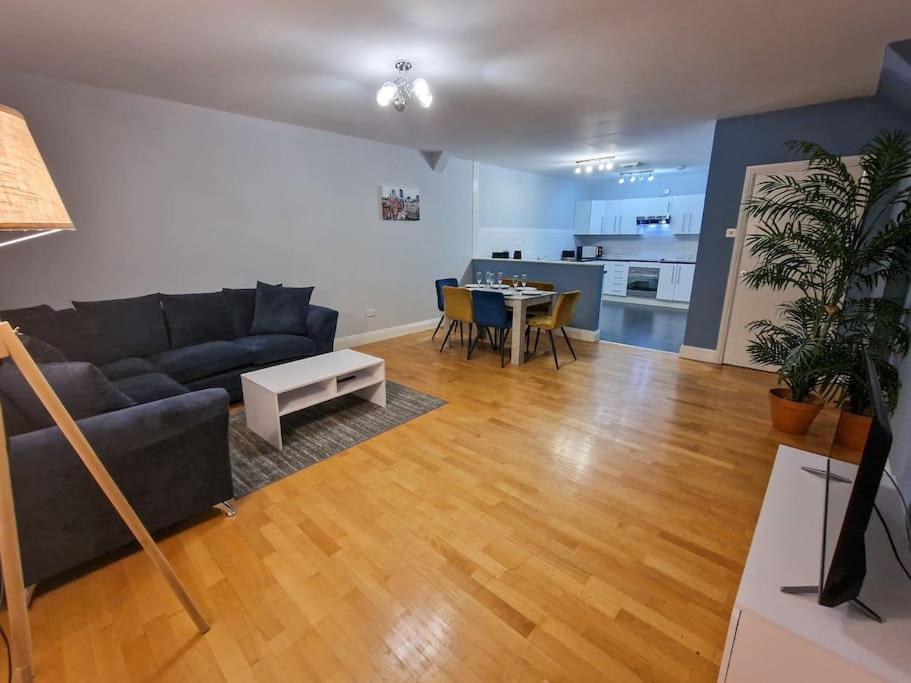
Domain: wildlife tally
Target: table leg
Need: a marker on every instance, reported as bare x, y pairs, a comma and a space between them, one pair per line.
517, 356
261, 409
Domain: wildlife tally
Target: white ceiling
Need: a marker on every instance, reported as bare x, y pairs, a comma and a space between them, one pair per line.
521, 83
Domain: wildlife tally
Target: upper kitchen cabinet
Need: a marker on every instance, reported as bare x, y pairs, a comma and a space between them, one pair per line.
686, 214
589, 218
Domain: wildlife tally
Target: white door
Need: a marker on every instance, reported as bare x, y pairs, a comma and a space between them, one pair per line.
746, 304
667, 280
684, 285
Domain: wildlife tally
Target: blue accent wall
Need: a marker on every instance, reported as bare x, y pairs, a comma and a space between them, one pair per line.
566, 276
841, 127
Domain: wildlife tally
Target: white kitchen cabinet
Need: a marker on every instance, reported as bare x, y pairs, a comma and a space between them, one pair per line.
684, 287
667, 280
686, 214
589, 218
615, 276
675, 281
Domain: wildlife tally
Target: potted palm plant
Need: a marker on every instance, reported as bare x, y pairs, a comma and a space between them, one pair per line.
834, 238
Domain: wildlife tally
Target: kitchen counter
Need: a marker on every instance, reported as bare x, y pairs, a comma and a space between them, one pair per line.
636, 260
505, 262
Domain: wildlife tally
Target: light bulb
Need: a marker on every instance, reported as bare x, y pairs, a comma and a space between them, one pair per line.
609, 165
386, 93
577, 170
622, 180
651, 177
632, 178
601, 166
589, 168
422, 91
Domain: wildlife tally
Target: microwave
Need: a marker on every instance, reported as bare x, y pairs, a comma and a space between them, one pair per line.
587, 252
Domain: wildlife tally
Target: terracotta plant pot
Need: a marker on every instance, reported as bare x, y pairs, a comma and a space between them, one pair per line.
852, 430
790, 416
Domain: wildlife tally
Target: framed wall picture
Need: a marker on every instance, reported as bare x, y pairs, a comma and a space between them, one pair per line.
400, 203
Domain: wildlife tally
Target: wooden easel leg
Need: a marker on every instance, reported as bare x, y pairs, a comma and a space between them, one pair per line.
11, 344
13, 583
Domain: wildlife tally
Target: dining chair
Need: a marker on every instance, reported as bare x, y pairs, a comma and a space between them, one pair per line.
489, 309
439, 284
562, 313
457, 308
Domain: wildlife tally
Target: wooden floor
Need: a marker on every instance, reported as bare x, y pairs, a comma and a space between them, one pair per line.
581, 525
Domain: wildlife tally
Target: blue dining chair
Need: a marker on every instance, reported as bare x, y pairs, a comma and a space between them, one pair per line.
445, 282
490, 312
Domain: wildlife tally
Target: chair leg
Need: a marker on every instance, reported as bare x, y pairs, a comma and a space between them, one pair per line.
448, 332
490, 337
468, 352
537, 337
442, 318
553, 348
527, 339
563, 330
461, 333
504, 337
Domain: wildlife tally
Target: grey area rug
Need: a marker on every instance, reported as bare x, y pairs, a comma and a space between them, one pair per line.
315, 433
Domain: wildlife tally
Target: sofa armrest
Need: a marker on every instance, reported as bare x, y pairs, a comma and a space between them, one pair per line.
169, 457
321, 324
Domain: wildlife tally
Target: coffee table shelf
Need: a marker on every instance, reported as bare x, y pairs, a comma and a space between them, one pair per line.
287, 388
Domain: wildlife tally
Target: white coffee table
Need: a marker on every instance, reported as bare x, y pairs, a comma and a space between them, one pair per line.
287, 388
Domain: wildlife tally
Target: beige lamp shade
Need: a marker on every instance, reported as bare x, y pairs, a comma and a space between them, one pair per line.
28, 198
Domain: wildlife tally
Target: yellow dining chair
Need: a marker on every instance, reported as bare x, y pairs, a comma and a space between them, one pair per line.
556, 320
457, 309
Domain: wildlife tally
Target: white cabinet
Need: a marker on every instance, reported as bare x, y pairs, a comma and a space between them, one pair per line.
589, 218
615, 276
686, 214
667, 280
675, 281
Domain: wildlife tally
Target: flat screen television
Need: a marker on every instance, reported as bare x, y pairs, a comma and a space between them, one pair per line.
846, 570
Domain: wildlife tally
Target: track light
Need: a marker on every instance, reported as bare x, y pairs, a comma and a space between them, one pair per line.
622, 180
651, 177
589, 165
609, 165
589, 168
578, 169
632, 178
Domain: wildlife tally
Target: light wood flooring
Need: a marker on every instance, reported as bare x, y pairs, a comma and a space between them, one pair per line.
586, 524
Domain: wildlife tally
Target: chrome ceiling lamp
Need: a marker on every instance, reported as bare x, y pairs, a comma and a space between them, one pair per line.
401, 91
589, 165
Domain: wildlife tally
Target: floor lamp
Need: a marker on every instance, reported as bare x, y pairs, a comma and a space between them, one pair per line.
29, 202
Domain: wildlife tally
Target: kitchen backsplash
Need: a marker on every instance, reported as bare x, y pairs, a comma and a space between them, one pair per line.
672, 248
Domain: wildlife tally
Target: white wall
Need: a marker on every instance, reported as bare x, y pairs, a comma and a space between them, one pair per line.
671, 183
526, 211
175, 198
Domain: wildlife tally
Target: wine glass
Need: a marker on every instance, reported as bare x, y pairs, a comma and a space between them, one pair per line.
499, 278
515, 281
477, 277
489, 276
524, 279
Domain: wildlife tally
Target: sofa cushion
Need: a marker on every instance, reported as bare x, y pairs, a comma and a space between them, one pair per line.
272, 348
136, 325
82, 388
153, 386
13, 420
75, 336
201, 360
280, 310
126, 367
41, 351
242, 302
15, 316
195, 318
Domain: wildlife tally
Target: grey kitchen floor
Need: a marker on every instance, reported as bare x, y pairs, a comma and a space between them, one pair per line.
651, 327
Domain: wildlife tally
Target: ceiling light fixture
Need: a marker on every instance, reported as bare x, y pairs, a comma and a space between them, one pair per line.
647, 175
401, 91
622, 180
589, 165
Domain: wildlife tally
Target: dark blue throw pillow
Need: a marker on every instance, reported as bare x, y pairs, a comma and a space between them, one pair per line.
81, 387
136, 325
41, 351
281, 310
76, 337
196, 318
242, 303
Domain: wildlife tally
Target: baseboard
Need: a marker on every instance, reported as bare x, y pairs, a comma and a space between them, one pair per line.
583, 335
642, 301
699, 353
385, 333
410, 328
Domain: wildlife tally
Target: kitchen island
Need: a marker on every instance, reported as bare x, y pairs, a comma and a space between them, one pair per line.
586, 276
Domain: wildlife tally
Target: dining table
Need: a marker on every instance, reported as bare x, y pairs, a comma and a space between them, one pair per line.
518, 300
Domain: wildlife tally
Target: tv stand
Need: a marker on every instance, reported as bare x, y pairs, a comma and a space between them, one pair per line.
814, 590
777, 635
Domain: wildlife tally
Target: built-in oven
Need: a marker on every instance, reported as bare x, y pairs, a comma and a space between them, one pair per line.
642, 281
